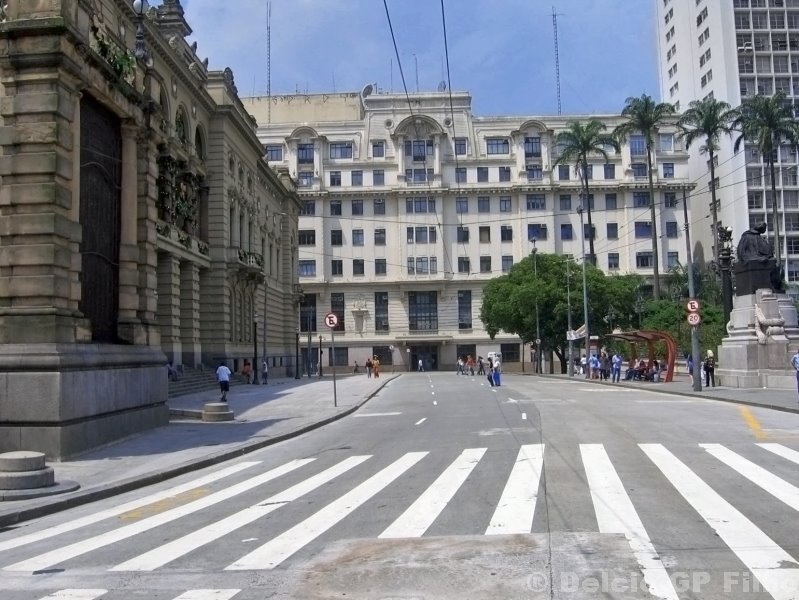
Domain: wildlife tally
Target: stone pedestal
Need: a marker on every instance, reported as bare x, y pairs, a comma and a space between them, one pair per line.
217, 411
757, 352
24, 475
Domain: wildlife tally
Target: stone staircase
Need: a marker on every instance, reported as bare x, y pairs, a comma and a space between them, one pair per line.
199, 380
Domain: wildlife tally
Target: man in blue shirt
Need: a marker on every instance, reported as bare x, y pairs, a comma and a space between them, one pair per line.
795, 365
615, 367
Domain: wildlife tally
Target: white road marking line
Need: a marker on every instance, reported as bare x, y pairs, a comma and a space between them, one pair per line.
779, 488
283, 546
420, 515
524, 416
516, 508
123, 508
208, 595
384, 414
59, 555
158, 557
435, 402
615, 513
697, 401
420, 421
762, 556
74, 594
782, 451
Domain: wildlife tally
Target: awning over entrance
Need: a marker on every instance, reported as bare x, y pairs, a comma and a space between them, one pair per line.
650, 338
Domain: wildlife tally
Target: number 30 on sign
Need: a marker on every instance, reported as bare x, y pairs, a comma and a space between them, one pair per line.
694, 319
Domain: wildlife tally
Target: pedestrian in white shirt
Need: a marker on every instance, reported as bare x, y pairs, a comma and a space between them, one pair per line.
223, 376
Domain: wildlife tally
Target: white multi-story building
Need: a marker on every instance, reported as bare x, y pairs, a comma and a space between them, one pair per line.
411, 206
731, 50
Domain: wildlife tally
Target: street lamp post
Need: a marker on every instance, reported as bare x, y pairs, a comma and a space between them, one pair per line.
725, 266
537, 319
320, 356
310, 346
585, 295
696, 376
297, 354
255, 368
140, 8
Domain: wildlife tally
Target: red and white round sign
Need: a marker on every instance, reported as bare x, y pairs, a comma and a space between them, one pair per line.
331, 320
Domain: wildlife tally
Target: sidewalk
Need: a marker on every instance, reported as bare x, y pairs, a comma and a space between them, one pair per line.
776, 399
265, 415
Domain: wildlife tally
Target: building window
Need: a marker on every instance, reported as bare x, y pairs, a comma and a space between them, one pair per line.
506, 233
532, 147
273, 152
613, 261
668, 170
504, 173
464, 265
337, 308
565, 202
510, 353
462, 233
669, 200
666, 142
378, 149
537, 231
566, 231
504, 204
640, 199
563, 172
306, 237
307, 268
381, 311
536, 202
643, 229
418, 175
534, 173
378, 177
589, 232
422, 204
671, 229
357, 178
637, 145
672, 260
644, 260
464, 309
497, 146
305, 154
357, 237
379, 206
485, 264
613, 231
305, 178
380, 266
483, 204
340, 357
460, 146
341, 150
335, 208
422, 235
336, 237
419, 149
335, 178
337, 267
485, 234
422, 311
589, 172
380, 237
422, 265
357, 208
357, 266
639, 169
384, 354
308, 207
461, 205
482, 174
460, 175
308, 313
507, 263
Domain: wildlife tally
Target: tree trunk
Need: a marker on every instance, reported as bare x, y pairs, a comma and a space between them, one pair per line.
714, 208
655, 253
591, 255
775, 214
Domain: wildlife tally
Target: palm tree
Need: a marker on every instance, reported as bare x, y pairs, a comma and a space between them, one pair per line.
766, 122
576, 143
645, 116
707, 120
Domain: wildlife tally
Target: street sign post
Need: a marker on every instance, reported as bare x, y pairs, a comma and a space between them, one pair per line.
331, 320
694, 319
692, 305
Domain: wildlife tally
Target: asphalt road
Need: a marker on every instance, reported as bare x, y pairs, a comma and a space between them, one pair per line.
442, 487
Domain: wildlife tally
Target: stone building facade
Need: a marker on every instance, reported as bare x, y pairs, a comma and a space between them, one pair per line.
138, 222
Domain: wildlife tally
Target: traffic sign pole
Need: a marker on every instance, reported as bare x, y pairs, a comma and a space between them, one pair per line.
333, 359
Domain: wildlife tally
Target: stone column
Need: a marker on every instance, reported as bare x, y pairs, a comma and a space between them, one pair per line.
190, 313
169, 304
147, 217
128, 247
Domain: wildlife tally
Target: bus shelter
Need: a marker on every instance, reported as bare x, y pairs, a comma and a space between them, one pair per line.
650, 338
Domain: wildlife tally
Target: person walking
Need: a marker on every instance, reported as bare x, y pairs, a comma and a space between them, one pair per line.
264, 373
420, 368
710, 369
223, 377
795, 365
615, 367
369, 365
376, 367
480, 367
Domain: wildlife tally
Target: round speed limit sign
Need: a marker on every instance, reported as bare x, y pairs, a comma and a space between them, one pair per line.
331, 320
694, 319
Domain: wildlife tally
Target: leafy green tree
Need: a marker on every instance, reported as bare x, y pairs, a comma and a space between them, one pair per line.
645, 116
707, 120
576, 144
767, 122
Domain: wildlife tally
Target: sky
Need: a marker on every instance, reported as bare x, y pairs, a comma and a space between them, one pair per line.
501, 51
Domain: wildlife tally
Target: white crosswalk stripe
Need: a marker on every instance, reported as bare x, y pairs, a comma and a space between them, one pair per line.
162, 555
208, 595
782, 451
420, 515
763, 557
60, 555
615, 513
74, 594
516, 508
280, 548
79, 594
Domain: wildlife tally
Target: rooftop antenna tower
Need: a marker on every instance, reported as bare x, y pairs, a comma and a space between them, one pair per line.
557, 55
269, 60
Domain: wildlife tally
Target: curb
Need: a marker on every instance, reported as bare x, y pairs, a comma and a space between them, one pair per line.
100, 492
788, 409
